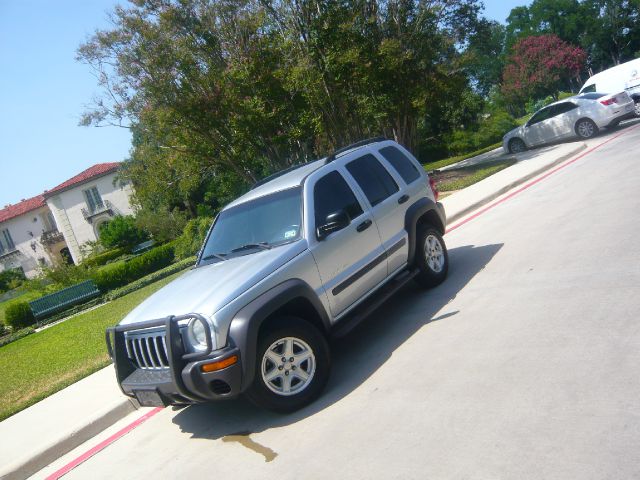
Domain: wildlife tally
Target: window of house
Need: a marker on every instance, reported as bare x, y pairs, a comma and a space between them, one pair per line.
331, 194
6, 242
373, 178
94, 200
399, 161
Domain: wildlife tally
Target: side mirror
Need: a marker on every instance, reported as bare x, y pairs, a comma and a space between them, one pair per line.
335, 221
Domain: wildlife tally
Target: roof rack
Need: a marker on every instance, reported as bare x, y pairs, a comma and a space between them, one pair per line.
361, 143
278, 174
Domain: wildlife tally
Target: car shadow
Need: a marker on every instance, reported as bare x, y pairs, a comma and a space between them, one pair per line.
354, 358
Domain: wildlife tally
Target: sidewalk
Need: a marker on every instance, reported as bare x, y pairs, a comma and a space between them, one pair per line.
40, 434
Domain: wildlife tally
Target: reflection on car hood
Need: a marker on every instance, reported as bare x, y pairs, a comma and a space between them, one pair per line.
206, 289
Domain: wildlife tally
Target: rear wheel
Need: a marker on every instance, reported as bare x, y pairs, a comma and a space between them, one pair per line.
432, 258
637, 107
292, 366
585, 128
516, 145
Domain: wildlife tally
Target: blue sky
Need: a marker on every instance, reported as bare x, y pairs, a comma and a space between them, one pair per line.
43, 92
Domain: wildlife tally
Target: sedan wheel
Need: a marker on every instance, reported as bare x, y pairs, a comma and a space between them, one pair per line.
585, 128
637, 108
516, 145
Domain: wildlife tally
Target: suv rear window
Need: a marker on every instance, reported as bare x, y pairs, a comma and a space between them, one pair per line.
331, 194
373, 178
399, 161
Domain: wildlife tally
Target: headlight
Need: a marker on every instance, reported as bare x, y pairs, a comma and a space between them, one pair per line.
197, 334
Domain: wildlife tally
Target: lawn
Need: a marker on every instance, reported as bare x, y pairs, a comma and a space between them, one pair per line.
457, 179
40, 364
445, 162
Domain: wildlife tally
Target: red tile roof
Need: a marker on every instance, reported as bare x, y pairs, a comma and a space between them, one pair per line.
12, 211
91, 172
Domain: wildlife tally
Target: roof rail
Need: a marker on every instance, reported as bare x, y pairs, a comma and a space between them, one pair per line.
361, 143
277, 174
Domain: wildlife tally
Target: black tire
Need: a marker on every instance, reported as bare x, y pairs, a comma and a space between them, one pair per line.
432, 273
636, 107
262, 393
517, 145
585, 128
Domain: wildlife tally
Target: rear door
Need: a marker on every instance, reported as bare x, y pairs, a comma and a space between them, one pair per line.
351, 261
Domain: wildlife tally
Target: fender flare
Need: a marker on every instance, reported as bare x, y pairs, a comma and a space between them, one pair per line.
435, 214
244, 328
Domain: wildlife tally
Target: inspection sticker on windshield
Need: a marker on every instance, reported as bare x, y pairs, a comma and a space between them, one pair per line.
290, 233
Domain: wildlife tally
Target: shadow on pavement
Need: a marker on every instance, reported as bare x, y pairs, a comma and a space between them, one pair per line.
355, 357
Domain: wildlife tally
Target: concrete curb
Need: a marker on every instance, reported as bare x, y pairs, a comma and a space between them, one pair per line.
102, 420
504, 189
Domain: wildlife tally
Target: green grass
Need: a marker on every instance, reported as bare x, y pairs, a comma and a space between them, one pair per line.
25, 297
475, 175
43, 363
451, 160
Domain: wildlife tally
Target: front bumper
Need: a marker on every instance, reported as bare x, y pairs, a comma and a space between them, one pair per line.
183, 381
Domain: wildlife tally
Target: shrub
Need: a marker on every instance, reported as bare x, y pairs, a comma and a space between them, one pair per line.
104, 257
118, 274
19, 315
193, 237
65, 275
10, 279
121, 231
17, 335
163, 224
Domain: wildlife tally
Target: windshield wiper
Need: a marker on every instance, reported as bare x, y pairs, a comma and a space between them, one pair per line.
249, 246
211, 256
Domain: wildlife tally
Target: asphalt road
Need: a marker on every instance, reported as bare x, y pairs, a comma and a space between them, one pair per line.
523, 365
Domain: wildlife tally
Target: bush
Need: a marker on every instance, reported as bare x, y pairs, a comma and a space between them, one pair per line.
17, 335
65, 275
189, 243
121, 231
104, 257
19, 315
490, 130
163, 224
119, 274
10, 279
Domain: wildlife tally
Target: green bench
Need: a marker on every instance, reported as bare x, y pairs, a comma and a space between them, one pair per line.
143, 247
63, 299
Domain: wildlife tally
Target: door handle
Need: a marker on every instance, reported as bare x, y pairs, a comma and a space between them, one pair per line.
403, 198
364, 225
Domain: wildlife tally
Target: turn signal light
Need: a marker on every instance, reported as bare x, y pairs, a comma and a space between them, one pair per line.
219, 365
434, 188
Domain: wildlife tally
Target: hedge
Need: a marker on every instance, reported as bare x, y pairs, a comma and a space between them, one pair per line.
104, 257
12, 337
119, 274
19, 315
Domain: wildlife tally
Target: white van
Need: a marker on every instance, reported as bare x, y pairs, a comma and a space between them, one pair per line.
623, 77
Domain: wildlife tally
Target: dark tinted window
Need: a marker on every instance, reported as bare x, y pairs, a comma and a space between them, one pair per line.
590, 88
331, 194
540, 116
373, 178
398, 160
563, 108
592, 96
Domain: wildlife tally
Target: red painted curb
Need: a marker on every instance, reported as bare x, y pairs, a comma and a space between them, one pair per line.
537, 180
102, 445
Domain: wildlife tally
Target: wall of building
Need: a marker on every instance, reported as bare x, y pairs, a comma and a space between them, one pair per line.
67, 206
26, 230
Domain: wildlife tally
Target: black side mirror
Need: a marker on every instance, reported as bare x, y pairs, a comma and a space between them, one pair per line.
335, 221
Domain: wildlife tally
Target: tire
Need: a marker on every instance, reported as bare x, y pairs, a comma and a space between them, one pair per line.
517, 145
585, 128
636, 106
279, 386
432, 258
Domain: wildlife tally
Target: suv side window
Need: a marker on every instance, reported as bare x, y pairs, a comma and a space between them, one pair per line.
373, 178
330, 194
399, 161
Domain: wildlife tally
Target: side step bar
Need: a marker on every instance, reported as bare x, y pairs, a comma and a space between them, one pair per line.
371, 304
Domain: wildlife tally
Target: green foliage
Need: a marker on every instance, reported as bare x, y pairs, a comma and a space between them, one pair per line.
18, 315
104, 257
163, 224
151, 278
475, 174
189, 243
490, 130
10, 279
64, 275
14, 336
121, 231
119, 274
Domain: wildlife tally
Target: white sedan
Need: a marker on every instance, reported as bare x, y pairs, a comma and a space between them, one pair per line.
582, 116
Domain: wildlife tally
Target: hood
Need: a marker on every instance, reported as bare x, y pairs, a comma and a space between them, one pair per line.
207, 289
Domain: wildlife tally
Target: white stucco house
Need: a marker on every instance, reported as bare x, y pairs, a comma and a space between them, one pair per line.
53, 226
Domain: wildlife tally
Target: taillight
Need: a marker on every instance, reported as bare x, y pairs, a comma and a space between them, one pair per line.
434, 188
608, 102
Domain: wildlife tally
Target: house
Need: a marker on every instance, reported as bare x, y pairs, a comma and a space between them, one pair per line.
52, 227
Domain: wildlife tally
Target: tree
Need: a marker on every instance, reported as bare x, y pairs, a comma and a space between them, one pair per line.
487, 55
121, 231
540, 66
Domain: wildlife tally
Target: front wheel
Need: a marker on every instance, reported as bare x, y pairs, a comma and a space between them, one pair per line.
637, 107
292, 366
517, 145
432, 257
585, 128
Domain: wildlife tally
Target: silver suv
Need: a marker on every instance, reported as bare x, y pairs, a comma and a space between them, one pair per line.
304, 256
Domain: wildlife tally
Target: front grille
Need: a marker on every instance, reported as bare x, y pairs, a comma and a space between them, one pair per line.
148, 349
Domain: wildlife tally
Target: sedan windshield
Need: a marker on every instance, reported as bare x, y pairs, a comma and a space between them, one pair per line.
256, 225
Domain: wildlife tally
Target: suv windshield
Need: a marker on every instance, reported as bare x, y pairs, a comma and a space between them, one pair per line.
256, 225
